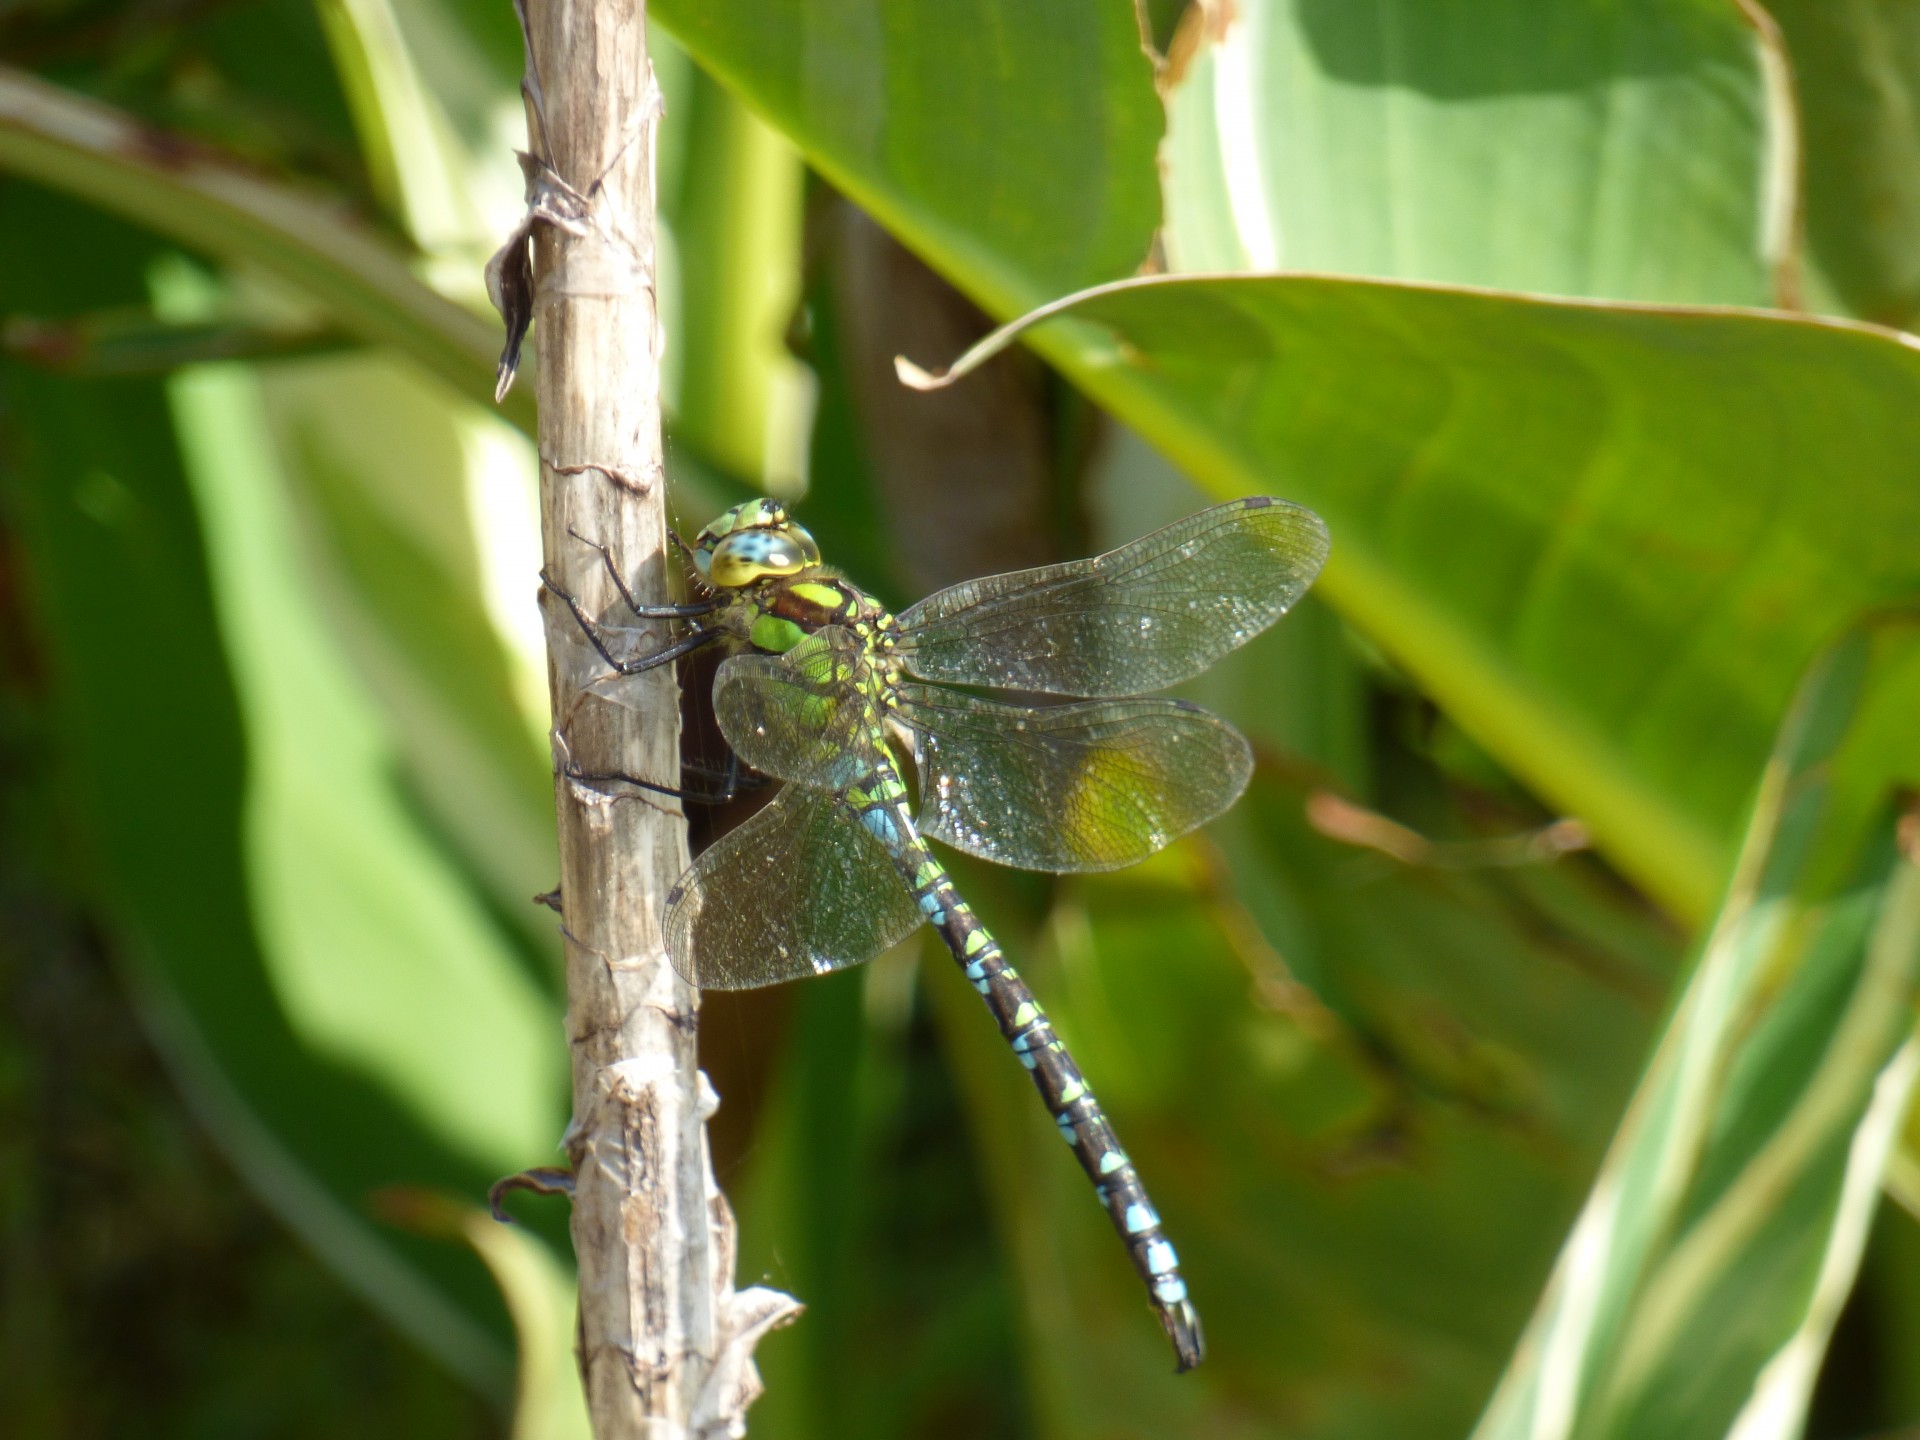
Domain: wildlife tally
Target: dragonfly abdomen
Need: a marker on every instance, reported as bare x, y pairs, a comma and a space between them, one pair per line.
1064, 1091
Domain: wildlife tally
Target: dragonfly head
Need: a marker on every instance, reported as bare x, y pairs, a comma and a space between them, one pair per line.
752, 542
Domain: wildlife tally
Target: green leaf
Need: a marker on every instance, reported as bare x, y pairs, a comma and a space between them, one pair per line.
369, 928
1010, 143
1696, 1293
186, 192
244, 956
1613, 592
1327, 1166
1571, 147
420, 531
1604, 538
737, 396
540, 1294
1856, 72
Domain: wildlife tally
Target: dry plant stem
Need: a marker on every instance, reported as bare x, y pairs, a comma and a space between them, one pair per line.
665, 1342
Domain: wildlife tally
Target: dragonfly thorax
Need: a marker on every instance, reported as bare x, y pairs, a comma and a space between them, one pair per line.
774, 590
776, 614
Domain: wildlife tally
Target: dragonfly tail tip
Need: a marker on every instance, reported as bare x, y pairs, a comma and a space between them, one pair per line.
1182, 1322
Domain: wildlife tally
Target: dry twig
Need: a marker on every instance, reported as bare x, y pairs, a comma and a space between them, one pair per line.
665, 1340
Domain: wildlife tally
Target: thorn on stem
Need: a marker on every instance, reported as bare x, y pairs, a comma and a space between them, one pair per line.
544, 1180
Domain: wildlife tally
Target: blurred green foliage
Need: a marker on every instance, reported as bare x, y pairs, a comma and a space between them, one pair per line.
272, 735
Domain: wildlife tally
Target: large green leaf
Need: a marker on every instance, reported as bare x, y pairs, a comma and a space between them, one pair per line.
420, 528
730, 206
1696, 1294
1612, 592
1010, 142
1856, 72
1573, 147
1607, 539
340, 1012
381, 953
1327, 1166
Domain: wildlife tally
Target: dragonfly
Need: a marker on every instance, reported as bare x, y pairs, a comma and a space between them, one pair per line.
829, 693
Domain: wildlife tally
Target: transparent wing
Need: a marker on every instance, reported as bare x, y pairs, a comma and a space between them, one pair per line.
807, 716
1140, 618
1090, 786
803, 887
800, 889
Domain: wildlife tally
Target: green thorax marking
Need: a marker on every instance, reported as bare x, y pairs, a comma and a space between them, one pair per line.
776, 614
773, 634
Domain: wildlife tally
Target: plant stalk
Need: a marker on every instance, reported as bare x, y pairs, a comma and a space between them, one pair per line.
665, 1342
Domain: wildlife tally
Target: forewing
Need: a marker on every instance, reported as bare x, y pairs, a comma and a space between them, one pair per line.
1137, 619
804, 716
1090, 786
801, 889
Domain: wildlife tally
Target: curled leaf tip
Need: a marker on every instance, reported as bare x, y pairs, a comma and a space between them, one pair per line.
914, 378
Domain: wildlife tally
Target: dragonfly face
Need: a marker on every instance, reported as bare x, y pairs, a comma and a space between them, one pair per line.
754, 541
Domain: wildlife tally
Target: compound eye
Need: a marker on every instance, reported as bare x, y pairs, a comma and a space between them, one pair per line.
804, 539
749, 555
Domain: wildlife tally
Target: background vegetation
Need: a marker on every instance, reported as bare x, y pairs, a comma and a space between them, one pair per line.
274, 1008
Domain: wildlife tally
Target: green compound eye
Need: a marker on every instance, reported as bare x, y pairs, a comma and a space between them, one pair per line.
752, 542
761, 514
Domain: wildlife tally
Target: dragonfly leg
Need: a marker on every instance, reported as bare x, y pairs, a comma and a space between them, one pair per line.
639, 666
733, 782
645, 612
734, 779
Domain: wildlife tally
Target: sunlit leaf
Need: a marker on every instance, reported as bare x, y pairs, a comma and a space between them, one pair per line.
1579, 526
737, 395
181, 831
1325, 1162
421, 531
1572, 147
932, 118
1856, 70
1697, 1290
